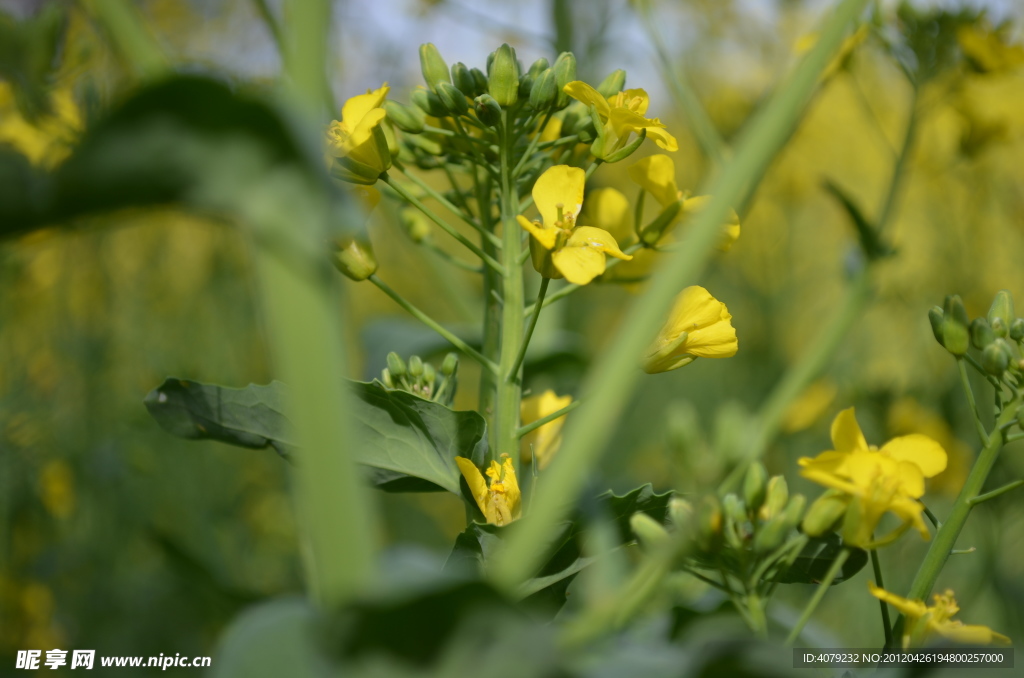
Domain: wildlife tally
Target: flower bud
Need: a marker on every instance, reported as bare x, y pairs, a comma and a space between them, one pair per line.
487, 110
435, 70
424, 143
823, 513
565, 72
415, 224
415, 366
479, 81
794, 510
1002, 308
772, 535
709, 523
954, 326
981, 333
462, 78
650, 533
936, 320
452, 99
613, 84
538, 67
999, 328
1017, 329
406, 118
450, 365
754, 486
776, 498
734, 508
354, 257
681, 512
385, 378
996, 358
503, 83
429, 374
428, 102
396, 365
544, 91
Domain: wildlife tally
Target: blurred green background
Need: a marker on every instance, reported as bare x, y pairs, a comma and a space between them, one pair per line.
116, 536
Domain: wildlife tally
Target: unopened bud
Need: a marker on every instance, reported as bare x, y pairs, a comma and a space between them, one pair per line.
462, 78
650, 533
544, 90
450, 365
999, 328
415, 224
354, 258
429, 374
681, 512
406, 118
452, 99
415, 366
794, 510
981, 333
538, 67
709, 522
613, 84
1002, 308
503, 83
487, 110
565, 72
396, 365
435, 70
479, 81
734, 508
824, 513
428, 102
776, 498
1017, 329
954, 326
996, 358
754, 486
385, 378
936, 320
772, 534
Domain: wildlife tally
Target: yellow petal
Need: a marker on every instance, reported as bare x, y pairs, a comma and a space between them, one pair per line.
656, 175
356, 108
560, 185
579, 265
915, 609
513, 497
969, 634
583, 92
706, 322
830, 480
542, 442
637, 100
920, 450
662, 138
589, 236
608, 209
911, 479
476, 482
545, 236
846, 434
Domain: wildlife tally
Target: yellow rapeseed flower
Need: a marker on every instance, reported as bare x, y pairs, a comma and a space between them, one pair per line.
923, 620
499, 499
559, 247
358, 140
542, 442
622, 115
874, 481
698, 327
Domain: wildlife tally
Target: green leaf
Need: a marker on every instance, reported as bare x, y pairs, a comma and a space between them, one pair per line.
871, 242
477, 542
814, 561
406, 443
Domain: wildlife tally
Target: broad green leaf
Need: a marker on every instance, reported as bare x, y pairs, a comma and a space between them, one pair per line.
814, 561
477, 542
406, 443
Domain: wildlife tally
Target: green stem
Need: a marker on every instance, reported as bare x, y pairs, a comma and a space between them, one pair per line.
433, 324
489, 345
610, 384
532, 147
130, 36
981, 498
529, 329
509, 388
454, 261
886, 622
945, 538
534, 425
796, 379
818, 595
445, 226
965, 382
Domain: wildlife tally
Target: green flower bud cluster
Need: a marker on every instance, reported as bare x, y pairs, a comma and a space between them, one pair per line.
422, 378
353, 256
999, 336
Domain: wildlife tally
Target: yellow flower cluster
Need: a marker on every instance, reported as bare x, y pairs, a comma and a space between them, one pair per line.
499, 497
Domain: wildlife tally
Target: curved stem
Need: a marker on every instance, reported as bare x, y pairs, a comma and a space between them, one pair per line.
533, 425
433, 324
529, 329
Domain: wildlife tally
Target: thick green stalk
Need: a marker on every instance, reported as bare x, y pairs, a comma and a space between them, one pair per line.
509, 387
946, 536
491, 342
610, 384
